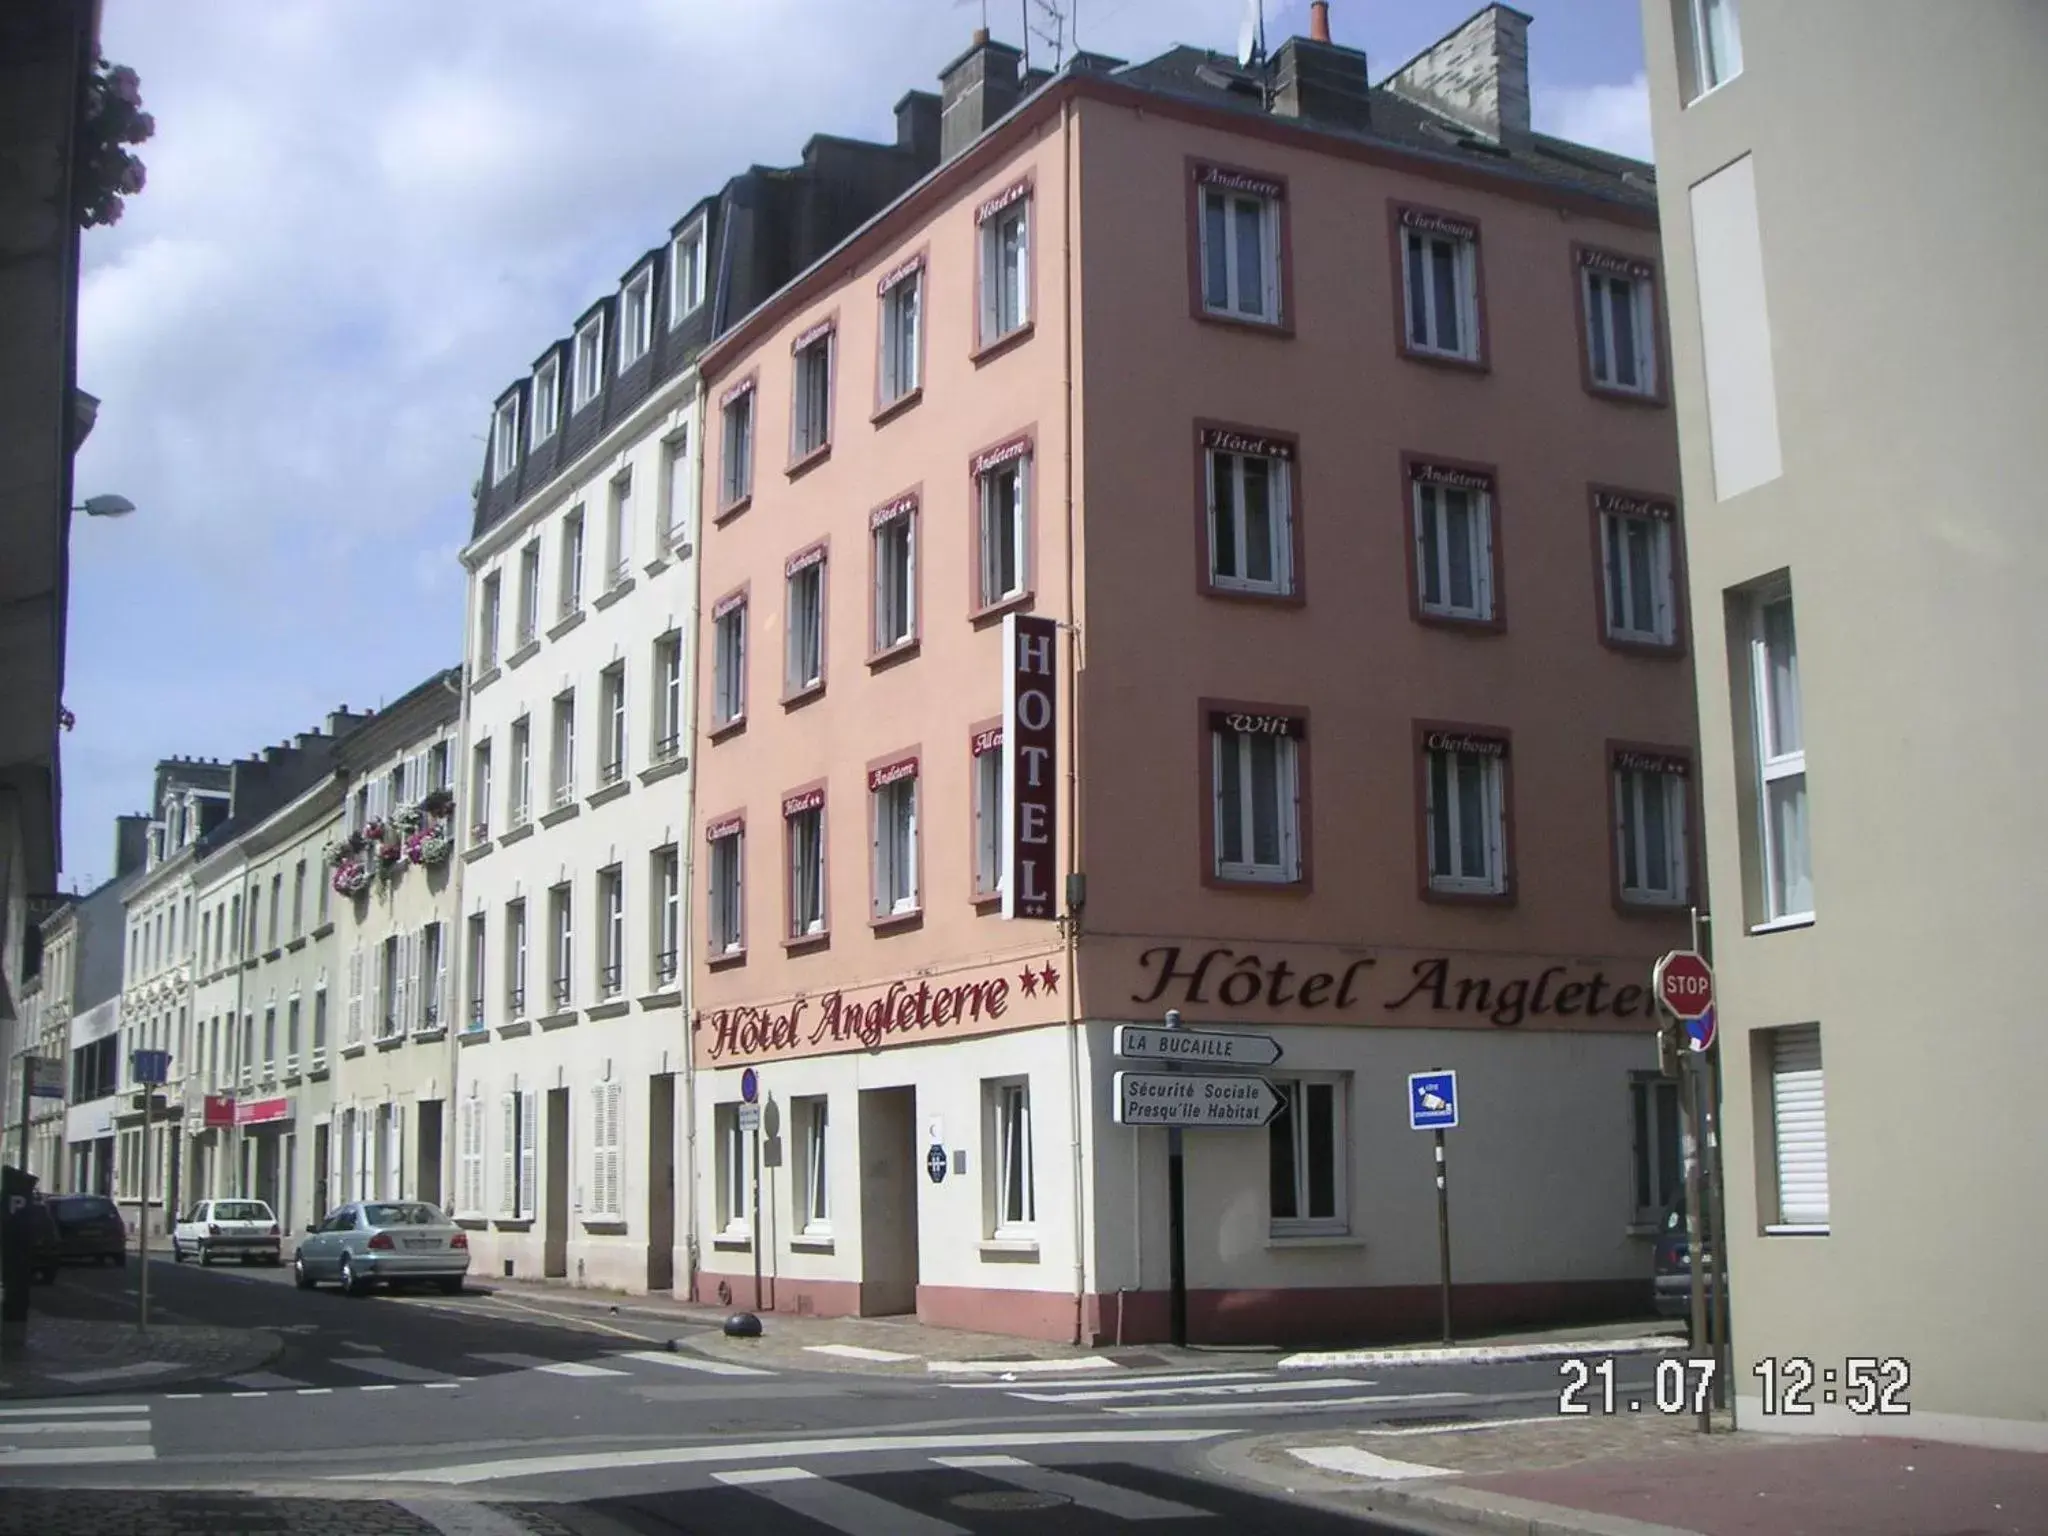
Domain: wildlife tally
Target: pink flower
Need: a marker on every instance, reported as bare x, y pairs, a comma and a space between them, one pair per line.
125, 83
144, 127
132, 175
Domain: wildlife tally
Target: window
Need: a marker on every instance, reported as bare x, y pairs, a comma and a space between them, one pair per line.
618, 531
1256, 760
892, 794
1465, 805
604, 1201
478, 959
1306, 1154
1638, 587
439, 762
1240, 235
812, 1120
726, 928
589, 360
1716, 44
729, 660
505, 441
1621, 322
734, 1172
515, 960
562, 766
678, 484
469, 1158
1780, 758
299, 899
1440, 271
1650, 827
668, 915
522, 772
319, 1022
521, 1140
1453, 543
810, 427
205, 936
1005, 264
685, 273
803, 662
276, 913
480, 792
636, 318
990, 841
561, 948
433, 1012
487, 624
1658, 1156
1002, 530
611, 704
547, 399
1799, 1127
1015, 1206
291, 1033
356, 960
1250, 492
387, 984
895, 552
737, 460
668, 697
529, 592
611, 932
903, 333
270, 1040
572, 563
803, 830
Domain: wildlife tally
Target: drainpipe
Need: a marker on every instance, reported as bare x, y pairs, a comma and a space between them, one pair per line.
686, 942
457, 931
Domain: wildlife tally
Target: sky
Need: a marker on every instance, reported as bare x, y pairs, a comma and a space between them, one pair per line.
364, 218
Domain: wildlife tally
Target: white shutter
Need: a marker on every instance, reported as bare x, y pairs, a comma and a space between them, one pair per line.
615, 1193
394, 1154
415, 1015
508, 1172
529, 1141
355, 996
1799, 1117
376, 992
439, 996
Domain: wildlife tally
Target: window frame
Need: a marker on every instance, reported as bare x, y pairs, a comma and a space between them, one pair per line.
1417, 471
666, 889
732, 1166
611, 933
1212, 438
1455, 889
476, 950
562, 750
1700, 46
668, 697
1400, 213
505, 443
1648, 1117
1295, 1089
1017, 200
721, 948
1001, 1151
490, 607
619, 513
1018, 449
987, 825
732, 606
1645, 273
519, 782
909, 273
885, 776
736, 469
811, 441
582, 390
542, 424
1201, 177
1766, 767
1606, 503
1771, 1045
518, 943
808, 566
686, 298
678, 489
906, 508
1675, 764
812, 1191
804, 800
635, 342
1301, 880
613, 740
561, 947
573, 546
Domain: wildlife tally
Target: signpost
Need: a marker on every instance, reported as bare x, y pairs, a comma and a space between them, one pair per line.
1433, 1107
1180, 1099
151, 1069
1684, 983
1207, 1047
749, 1117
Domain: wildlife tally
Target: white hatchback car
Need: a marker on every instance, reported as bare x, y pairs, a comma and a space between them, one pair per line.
219, 1229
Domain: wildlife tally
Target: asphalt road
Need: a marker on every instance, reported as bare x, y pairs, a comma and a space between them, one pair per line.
595, 1423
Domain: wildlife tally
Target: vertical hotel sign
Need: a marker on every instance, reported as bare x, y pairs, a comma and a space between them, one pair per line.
1030, 732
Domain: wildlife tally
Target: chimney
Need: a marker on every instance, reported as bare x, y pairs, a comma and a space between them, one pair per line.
1319, 21
131, 843
976, 90
1477, 76
1317, 81
917, 127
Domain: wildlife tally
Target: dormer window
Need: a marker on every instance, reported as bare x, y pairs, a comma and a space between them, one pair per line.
505, 441
636, 318
589, 361
547, 399
686, 273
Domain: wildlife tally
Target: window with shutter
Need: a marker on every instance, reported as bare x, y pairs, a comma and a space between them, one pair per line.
355, 996
394, 1154
1799, 1122
614, 1181
529, 1140
508, 1171
476, 1155
376, 992
415, 945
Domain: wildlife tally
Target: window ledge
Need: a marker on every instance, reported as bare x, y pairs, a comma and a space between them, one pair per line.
670, 998
1784, 924
569, 622
803, 944
430, 1032
804, 695
351, 1052
1283, 329
1645, 1228
606, 1010
275, 952
812, 1242
1256, 597
474, 1035
1648, 906
484, 679
726, 961
902, 650
611, 1226
472, 1222
249, 964
893, 922
731, 727
1460, 622
897, 407
1797, 1229
291, 1078
808, 461
513, 1223
1315, 1240
317, 1073
518, 833
1294, 886
612, 791
613, 593
657, 565
731, 510
515, 1028
390, 1042
525, 653
988, 614
560, 814
989, 351
1013, 1248
476, 851
1450, 360
1653, 399
560, 1020
655, 772
296, 945
725, 1244
1460, 898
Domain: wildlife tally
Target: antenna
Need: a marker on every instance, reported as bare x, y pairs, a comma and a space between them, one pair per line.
1056, 38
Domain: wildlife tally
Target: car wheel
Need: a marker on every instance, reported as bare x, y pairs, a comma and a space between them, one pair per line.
177, 1253
300, 1277
205, 1257
452, 1286
350, 1284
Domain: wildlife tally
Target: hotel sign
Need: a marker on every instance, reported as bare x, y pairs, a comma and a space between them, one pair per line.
1030, 780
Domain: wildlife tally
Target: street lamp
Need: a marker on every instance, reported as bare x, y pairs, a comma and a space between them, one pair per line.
106, 506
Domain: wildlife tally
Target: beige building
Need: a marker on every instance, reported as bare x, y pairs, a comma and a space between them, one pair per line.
1856, 314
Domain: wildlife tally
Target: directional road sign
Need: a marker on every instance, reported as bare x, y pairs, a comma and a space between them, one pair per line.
1432, 1101
1699, 1032
1684, 983
1181, 1098
749, 1117
1209, 1047
45, 1076
152, 1067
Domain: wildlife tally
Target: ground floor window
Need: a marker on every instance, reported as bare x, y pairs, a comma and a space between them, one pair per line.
1799, 1127
1308, 1148
813, 1183
1659, 1156
733, 1166
1014, 1191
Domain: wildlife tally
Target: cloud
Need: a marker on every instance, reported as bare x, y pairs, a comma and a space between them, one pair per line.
1610, 117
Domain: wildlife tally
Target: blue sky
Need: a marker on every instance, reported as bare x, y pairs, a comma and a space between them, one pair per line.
365, 217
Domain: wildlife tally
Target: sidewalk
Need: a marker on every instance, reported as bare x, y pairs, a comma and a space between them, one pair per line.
1635, 1476
67, 1355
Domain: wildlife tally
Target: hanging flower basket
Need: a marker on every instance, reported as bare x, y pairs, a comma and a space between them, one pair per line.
439, 802
409, 820
344, 849
431, 844
373, 832
351, 877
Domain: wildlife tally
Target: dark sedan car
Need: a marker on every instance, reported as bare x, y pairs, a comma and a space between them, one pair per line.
1674, 1266
89, 1227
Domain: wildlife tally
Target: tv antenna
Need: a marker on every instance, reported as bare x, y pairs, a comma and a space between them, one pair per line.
1051, 15
1251, 35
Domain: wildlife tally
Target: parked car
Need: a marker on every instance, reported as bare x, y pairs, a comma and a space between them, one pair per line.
394, 1241
89, 1227
222, 1229
1673, 1266
46, 1245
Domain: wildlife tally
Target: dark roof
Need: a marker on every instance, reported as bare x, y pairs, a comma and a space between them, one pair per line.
1196, 74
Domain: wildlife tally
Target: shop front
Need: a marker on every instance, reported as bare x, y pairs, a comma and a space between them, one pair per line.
267, 1142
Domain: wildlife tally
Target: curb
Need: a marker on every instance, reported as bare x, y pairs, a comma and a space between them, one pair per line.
1483, 1354
1473, 1509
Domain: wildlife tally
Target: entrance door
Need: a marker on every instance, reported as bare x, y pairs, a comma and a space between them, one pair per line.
888, 1201
554, 1258
266, 1170
320, 1205
661, 1182
427, 1149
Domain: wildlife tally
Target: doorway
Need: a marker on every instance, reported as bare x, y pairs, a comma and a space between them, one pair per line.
320, 1146
888, 1201
427, 1149
554, 1257
266, 1170
661, 1182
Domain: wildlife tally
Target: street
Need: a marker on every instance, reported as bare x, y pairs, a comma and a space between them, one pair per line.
596, 1420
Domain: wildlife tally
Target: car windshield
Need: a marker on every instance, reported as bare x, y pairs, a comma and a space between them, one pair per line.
81, 1207
241, 1210
407, 1215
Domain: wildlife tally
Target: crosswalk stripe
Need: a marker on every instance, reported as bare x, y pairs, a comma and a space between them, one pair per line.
1300, 1405
73, 1427
263, 1381
520, 1362
397, 1370
1089, 1493
66, 1411
851, 1511
1134, 1383
691, 1363
1226, 1389
77, 1455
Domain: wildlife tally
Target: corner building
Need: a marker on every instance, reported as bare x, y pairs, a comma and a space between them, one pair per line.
1315, 433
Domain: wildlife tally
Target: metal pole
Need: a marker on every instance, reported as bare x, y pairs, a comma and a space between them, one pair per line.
756, 1234
1689, 1106
148, 1114
27, 1080
1176, 1215
1443, 1230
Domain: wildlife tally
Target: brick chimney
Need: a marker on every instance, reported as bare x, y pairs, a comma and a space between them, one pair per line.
1317, 81
1477, 76
1319, 21
976, 90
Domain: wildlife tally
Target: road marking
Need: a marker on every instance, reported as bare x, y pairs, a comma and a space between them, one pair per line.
263, 1381
1017, 1367
68, 1412
859, 1352
183, 1397
118, 1372
1311, 1405
1353, 1462
1441, 1429
382, 1386
1352, 1359
692, 1363
1090, 1381
1106, 1498
771, 1450
74, 1427
566, 1320
460, 1517
249, 1394
520, 1362
444, 1386
357, 1344
397, 1370
77, 1455
1121, 1393
853, 1511
315, 1391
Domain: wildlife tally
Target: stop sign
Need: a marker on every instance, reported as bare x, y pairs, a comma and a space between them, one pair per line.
1684, 983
